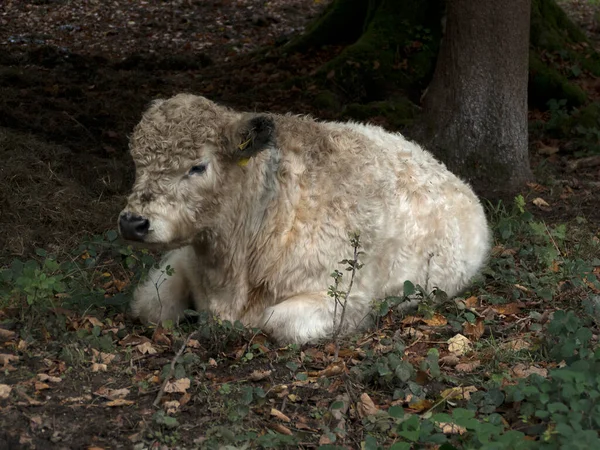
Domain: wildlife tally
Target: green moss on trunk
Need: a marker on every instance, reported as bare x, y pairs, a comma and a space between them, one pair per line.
394, 50
546, 82
560, 51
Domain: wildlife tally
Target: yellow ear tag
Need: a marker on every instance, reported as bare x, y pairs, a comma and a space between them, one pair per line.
243, 162
243, 145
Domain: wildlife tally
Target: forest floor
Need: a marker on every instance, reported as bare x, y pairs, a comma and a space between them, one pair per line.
74, 80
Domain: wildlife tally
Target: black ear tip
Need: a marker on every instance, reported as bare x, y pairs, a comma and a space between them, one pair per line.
259, 135
262, 124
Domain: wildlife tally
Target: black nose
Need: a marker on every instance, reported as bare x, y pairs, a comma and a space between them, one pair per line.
133, 228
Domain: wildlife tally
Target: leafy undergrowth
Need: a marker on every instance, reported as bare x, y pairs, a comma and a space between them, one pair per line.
511, 364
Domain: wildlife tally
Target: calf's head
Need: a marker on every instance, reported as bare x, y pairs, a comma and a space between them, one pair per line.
189, 155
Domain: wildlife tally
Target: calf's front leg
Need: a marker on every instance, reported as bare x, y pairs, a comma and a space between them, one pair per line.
162, 296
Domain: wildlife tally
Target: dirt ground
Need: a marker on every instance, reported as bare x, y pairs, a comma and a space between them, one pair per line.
74, 79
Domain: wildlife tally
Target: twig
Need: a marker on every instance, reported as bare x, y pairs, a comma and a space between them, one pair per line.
256, 333
355, 266
552, 239
161, 392
590, 161
90, 134
415, 343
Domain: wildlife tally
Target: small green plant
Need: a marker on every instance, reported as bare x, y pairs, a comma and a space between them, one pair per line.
164, 430
389, 370
38, 282
75, 281
340, 297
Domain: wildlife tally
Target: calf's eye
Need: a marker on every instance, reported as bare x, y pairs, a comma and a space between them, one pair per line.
197, 170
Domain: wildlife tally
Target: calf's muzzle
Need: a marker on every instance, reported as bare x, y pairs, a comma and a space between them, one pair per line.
133, 228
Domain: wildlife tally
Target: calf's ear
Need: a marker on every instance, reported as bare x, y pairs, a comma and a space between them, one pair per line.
254, 135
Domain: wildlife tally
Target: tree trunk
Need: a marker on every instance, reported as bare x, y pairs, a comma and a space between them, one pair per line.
475, 109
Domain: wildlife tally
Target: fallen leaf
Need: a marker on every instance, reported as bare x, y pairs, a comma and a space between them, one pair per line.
159, 336
468, 367
304, 426
412, 333
507, 309
280, 428
29, 400
81, 399
420, 405
547, 150
278, 388
36, 422
6, 335
258, 375
365, 406
136, 437
112, 394
409, 320
185, 398
50, 378
459, 344
523, 371
489, 313
474, 330
193, 343
212, 362
5, 390
119, 402
106, 358
460, 392
94, 321
472, 302
146, 348
97, 367
181, 385
450, 360
451, 428
522, 288
324, 440
133, 340
331, 370
541, 203
515, 345
437, 320
39, 386
279, 415
172, 406
382, 349
5, 358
